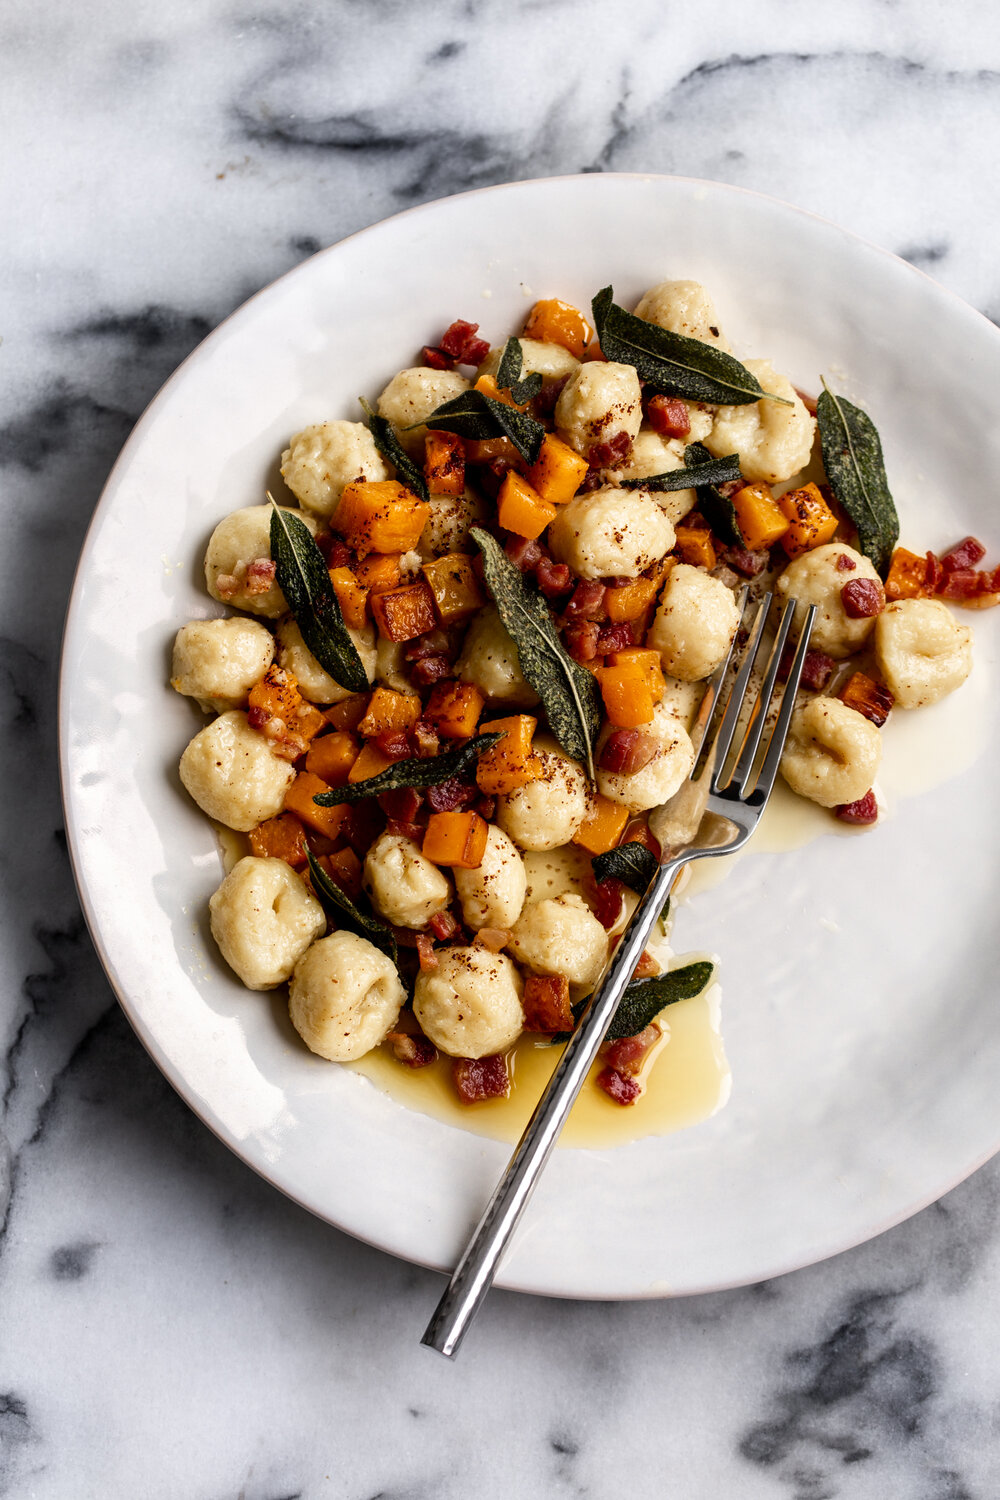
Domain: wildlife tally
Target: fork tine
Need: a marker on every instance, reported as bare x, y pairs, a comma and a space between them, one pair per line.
748, 751
727, 729
772, 759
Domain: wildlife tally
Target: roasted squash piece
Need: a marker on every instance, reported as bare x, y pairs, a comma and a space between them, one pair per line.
454, 708
603, 826
511, 763
453, 582
444, 463
390, 711
299, 800
456, 839
553, 322
521, 509
558, 472
811, 521
380, 516
403, 613
761, 519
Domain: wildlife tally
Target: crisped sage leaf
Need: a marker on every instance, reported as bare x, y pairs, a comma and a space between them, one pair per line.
631, 863
645, 998
670, 362
302, 576
852, 458
341, 909
392, 450
508, 376
418, 771
475, 415
719, 512
567, 690
715, 471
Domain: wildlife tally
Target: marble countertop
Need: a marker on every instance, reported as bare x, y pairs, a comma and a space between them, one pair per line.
171, 1326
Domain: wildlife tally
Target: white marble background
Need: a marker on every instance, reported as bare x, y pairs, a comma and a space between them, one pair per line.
171, 1327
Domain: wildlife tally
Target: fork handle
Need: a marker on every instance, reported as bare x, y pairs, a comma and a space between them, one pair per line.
473, 1276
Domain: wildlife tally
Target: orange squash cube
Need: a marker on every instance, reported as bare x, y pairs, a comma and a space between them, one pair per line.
511, 762
521, 510
546, 1003
351, 596
695, 546
299, 800
558, 472
403, 613
761, 519
648, 661
277, 710
444, 463
603, 826
344, 867
332, 756
867, 696
811, 521
631, 600
380, 516
454, 707
456, 839
349, 712
489, 387
628, 701
453, 582
553, 322
907, 576
282, 837
390, 711
369, 763
379, 572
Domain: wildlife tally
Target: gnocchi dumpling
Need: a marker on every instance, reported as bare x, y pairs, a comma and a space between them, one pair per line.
660, 777
217, 662
683, 307
548, 811
832, 753
818, 577
611, 533
345, 996
599, 401
264, 918
550, 361
405, 886
493, 894
320, 460
470, 1004
561, 935
315, 682
489, 659
694, 624
922, 651
773, 441
412, 395
232, 773
238, 559
654, 454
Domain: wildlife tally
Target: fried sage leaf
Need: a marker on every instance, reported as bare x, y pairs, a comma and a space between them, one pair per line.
392, 450
302, 576
670, 362
508, 376
631, 863
567, 690
429, 770
341, 909
718, 510
715, 471
475, 415
852, 458
645, 998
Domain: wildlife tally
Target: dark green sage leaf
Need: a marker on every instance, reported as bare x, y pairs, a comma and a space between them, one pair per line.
670, 362
302, 576
392, 450
341, 909
475, 415
645, 998
567, 690
716, 471
718, 510
631, 863
418, 771
852, 458
508, 376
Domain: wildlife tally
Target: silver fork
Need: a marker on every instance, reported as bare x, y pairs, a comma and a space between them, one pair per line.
738, 791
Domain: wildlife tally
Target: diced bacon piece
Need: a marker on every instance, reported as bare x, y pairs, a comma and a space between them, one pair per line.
608, 895
581, 639
394, 744
668, 415
749, 564
963, 583
479, 1078
619, 1088
817, 669
545, 401
459, 340
610, 455
731, 487
430, 669
554, 579
426, 739
336, 553
639, 832
965, 554
444, 926
402, 804
432, 643
494, 939
615, 638
647, 967
259, 575
546, 1003
452, 794
934, 573
862, 598
586, 601
412, 1051
436, 358
846, 564
362, 825
425, 951
627, 751
860, 813
486, 807
628, 1053
867, 696
404, 830
523, 553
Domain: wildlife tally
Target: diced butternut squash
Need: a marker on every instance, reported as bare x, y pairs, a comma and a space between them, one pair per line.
628, 701
866, 695
546, 1003
299, 800
351, 596
379, 572
489, 387
631, 600
521, 509
444, 463
282, 837
453, 582
602, 827
380, 516
811, 521
761, 519
369, 763
344, 867
456, 839
390, 711
511, 763
332, 756
349, 712
553, 322
558, 472
648, 661
454, 708
403, 613
695, 546
907, 576
277, 710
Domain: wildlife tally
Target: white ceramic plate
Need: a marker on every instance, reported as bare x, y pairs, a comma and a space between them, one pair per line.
858, 973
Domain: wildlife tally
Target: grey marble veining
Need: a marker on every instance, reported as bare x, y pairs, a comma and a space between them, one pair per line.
169, 1325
